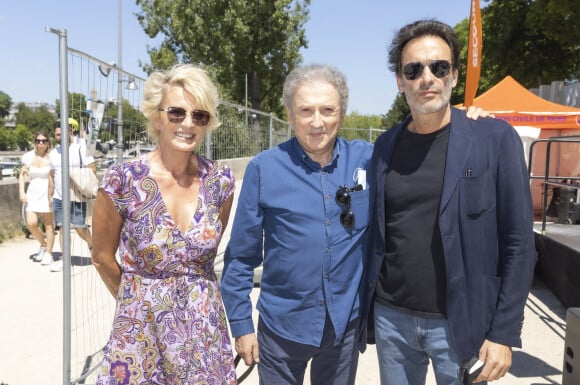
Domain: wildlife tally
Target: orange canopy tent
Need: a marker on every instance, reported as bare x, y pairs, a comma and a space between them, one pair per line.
534, 117
510, 101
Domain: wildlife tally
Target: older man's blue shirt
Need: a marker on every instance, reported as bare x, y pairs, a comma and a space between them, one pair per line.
287, 218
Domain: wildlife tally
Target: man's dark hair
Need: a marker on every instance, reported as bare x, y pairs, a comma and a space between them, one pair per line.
420, 28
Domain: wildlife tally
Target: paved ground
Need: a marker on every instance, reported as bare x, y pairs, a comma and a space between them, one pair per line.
31, 322
31, 328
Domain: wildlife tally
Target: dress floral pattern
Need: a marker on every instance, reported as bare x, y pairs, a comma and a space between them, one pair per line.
169, 325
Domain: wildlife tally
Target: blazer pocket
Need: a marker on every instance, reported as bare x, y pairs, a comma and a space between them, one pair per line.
477, 194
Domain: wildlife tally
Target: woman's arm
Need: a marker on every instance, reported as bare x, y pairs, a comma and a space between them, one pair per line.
106, 234
21, 176
225, 211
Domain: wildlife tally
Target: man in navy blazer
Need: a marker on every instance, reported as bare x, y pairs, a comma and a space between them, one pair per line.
451, 248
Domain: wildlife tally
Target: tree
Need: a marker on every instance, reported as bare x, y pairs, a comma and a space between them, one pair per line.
357, 126
77, 108
8, 139
5, 104
37, 120
536, 42
133, 124
398, 112
23, 137
234, 40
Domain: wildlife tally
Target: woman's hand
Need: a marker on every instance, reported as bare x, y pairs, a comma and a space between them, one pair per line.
474, 113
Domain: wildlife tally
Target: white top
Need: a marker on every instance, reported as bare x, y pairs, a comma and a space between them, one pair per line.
75, 152
37, 191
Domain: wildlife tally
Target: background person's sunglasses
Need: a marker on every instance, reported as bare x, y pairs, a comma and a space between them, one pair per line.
439, 68
177, 115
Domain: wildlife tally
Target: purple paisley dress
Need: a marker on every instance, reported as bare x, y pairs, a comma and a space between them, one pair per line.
169, 325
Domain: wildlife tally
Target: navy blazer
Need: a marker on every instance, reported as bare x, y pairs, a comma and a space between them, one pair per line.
486, 222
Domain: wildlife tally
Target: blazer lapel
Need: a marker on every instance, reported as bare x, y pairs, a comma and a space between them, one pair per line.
381, 172
458, 151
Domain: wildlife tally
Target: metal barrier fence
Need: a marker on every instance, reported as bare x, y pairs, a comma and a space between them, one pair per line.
105, 101
244, 132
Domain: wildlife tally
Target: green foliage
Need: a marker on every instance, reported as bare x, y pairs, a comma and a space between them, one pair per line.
233, 138
536, 42
398, 112
356, 120
357, 126
30, 121
23, 137
77, 108
133, 119
133, 124
36, 120
5, 104
8, 140
234, 40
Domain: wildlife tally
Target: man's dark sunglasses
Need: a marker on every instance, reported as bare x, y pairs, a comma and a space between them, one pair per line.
343, 199
439, 68
177, 115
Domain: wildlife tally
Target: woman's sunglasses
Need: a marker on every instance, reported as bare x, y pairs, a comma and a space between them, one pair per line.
39, 141
439, 68
177, 115
343, 199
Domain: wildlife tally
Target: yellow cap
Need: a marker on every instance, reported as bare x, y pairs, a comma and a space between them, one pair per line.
73, 122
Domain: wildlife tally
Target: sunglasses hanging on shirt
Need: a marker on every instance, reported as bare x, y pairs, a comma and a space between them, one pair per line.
343, 199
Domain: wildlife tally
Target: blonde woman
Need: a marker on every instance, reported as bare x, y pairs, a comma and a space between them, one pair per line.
36, 168
165, 212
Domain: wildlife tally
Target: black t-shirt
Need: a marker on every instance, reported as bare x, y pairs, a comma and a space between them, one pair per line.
413, 272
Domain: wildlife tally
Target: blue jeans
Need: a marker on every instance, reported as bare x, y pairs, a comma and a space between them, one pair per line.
406, 343
78, 213
283, 362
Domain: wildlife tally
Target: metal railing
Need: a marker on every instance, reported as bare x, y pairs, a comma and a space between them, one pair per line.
551, 180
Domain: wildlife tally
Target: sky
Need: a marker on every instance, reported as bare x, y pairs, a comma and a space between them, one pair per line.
351, 35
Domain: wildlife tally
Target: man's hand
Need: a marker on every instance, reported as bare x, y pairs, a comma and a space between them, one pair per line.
477, 112
497, 359
247, 348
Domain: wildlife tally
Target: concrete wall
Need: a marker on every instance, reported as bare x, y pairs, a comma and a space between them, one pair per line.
11, 209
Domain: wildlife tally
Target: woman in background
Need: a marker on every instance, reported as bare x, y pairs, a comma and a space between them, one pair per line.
166, 212
35, 168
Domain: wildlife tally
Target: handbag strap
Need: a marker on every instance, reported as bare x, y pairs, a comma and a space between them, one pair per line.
246, 373
80, 157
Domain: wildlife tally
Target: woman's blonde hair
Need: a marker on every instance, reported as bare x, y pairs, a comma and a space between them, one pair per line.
193, 79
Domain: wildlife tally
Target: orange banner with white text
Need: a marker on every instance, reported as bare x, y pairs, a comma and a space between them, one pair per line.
473, 54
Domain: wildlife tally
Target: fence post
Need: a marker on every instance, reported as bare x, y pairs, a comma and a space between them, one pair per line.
270, 129
208, 154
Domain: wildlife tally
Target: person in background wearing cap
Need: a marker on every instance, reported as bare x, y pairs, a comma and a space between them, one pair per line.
78, 210
77, 136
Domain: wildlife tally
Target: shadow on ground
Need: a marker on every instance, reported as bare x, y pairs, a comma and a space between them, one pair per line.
527, 366
76, 260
